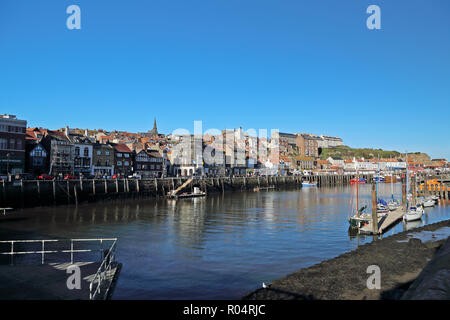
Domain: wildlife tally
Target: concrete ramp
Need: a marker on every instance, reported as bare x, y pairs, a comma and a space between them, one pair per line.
49, 281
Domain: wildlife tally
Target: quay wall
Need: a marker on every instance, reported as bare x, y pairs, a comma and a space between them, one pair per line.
32, 193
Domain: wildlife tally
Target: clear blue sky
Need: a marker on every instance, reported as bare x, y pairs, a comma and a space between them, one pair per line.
298, 66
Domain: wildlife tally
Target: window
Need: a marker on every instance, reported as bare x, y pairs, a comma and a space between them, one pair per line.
126, 155
19, 144
77, 151
107, 153
119, 163
99, 152
37, 162
127, 163
3, 144
12, 142
119, 155
86, 152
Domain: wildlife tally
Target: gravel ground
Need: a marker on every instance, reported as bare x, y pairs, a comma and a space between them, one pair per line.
345, 277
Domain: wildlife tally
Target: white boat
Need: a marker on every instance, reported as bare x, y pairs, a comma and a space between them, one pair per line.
393, 205
414, 213
309, 184
428, 203
360, 218
382, 210
433, 197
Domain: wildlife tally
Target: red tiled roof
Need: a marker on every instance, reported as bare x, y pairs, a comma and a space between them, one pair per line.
122, 148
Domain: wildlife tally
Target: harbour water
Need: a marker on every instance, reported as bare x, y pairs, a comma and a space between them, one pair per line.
218, 247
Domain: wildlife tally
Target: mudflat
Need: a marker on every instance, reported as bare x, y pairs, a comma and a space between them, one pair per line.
400, 259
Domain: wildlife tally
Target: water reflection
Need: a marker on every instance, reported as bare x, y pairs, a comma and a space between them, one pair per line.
217, 247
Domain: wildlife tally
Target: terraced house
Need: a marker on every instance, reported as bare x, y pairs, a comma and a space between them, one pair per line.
102, 160
60, 156
82, 152
149, 164
123, 157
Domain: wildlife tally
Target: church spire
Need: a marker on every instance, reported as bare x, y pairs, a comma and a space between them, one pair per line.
154, 132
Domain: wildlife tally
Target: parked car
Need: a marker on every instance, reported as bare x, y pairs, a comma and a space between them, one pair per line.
24, 176
45, 177
69, 177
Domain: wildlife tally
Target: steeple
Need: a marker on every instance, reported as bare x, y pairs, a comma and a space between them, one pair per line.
154, 131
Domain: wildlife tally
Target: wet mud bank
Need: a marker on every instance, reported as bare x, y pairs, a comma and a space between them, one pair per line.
401, 258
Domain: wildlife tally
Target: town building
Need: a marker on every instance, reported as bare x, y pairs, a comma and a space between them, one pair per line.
36, 156
329, 141
304, 162
287, 141
60, 153
149, 164
82, 151
12, 145
102, 160
124, 158
308, 145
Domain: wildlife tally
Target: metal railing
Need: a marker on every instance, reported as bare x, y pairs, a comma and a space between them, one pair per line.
102, 272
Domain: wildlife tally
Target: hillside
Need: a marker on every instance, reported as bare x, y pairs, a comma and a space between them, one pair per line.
346, 152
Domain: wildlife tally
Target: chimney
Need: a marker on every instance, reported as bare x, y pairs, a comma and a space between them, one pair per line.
67, 131
86, 133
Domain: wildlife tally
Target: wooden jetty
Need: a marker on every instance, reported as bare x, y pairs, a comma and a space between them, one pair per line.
384, 223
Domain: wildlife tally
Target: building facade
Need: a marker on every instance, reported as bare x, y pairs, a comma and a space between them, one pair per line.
12, 145
123, 157
102, 160
82, 152
60, 154
308, 145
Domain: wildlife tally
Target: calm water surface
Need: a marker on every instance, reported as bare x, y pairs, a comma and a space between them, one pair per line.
218, 247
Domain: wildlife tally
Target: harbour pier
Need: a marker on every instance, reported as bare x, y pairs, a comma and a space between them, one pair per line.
32, 193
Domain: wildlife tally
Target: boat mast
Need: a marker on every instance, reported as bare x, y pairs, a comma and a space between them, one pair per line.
357, 190
378, 176
406, 180
392, 178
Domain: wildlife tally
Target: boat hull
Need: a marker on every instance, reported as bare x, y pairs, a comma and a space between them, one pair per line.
413, 215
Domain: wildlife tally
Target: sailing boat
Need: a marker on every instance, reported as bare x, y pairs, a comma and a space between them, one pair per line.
360, 218
414, 212
382, 208
393, 204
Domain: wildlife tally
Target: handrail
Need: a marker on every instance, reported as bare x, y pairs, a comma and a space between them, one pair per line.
102, 271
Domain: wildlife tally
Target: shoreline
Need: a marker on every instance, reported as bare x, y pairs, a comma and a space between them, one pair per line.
345, 276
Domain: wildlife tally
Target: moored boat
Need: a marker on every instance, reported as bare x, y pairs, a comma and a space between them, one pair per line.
428, 203
414, 213
360, 180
